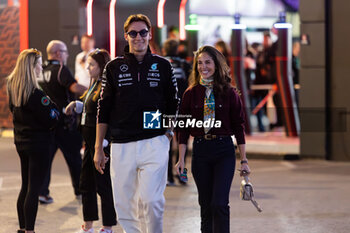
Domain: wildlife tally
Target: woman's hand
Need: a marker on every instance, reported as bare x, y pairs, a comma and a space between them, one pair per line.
100, 160
69, 110
179, 166
245, 170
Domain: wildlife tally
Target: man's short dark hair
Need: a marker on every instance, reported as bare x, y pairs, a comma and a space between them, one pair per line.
136, 18
170, 47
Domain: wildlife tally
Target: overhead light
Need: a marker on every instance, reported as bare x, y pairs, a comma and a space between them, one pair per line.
89, 17
160, 13
282, 25
238, 26
190, 27
112, 32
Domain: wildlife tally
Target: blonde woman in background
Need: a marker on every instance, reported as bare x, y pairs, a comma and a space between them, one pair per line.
34, 118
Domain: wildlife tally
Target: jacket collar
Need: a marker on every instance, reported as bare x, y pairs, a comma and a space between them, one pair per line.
131, 57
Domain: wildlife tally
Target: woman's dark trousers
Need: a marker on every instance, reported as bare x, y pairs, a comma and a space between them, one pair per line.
213, 166
92, 182
35, 159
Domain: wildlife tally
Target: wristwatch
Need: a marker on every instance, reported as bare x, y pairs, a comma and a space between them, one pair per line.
170, 132
244, 161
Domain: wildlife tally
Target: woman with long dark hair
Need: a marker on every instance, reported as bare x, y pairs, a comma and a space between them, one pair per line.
91, 181
34, 118
210, 97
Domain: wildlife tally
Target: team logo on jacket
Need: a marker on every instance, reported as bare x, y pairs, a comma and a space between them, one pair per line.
124, 68
154, 67
45, 101
151, 120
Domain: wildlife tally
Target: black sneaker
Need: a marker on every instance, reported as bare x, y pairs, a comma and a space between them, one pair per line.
45, 199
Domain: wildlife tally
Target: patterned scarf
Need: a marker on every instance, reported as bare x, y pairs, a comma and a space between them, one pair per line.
209, 101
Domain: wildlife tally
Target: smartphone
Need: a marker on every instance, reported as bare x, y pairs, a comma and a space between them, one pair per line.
183, 175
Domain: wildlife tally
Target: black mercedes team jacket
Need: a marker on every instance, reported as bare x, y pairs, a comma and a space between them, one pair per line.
132, 89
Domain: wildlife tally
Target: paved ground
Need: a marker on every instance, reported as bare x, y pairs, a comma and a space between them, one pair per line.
308, 196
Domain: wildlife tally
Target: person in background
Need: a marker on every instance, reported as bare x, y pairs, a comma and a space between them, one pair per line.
173, 33
224, 49
59, 84
265, 73
182, 50
137, 88
87, 44
210, 96
182, 70
91, 181
296, 67
270, 64
34, 119
249, 70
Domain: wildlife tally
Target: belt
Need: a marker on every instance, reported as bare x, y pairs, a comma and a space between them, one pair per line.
209, 137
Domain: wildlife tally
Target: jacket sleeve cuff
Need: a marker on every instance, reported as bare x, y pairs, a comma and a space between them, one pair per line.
183, 138
240, 139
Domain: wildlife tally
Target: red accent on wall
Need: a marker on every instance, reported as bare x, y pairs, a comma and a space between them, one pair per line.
23, 25
182, 19
9, 50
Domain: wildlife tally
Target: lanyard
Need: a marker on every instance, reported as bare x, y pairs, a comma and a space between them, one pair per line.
89, 92
83, 117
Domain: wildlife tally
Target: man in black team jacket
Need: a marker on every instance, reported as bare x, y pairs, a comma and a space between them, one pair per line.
136, 89
59, 84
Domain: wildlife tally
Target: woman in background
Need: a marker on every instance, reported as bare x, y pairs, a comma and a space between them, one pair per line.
224, 49
91, 181
34, 117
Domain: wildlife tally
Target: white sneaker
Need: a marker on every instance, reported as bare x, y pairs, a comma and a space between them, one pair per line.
105, 231
45, 199
82, 230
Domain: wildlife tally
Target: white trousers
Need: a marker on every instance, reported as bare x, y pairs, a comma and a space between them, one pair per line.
139, 172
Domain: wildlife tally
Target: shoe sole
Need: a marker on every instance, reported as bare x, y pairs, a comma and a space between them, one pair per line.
45, 202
